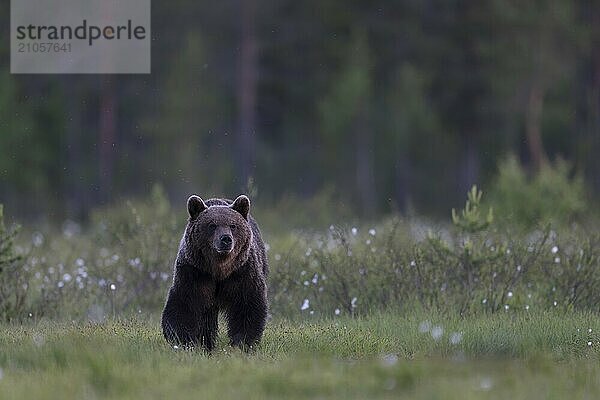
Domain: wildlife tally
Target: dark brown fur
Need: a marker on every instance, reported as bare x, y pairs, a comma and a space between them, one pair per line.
206, 282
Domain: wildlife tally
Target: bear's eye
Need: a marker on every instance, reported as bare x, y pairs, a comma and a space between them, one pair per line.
212, 226
232, 227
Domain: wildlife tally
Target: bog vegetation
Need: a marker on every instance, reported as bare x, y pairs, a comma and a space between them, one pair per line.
526, 249
422, 356
498, 300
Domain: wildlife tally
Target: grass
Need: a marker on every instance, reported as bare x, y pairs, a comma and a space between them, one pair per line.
384, 355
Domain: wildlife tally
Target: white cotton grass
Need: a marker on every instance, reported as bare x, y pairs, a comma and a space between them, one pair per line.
456, 338
486, 383
437, 332
425, 327
305, 305
37, 239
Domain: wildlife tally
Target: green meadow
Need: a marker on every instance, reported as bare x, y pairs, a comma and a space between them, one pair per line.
476, 307
384, 355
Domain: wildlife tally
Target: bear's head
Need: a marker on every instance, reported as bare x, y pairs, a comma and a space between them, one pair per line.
219, 233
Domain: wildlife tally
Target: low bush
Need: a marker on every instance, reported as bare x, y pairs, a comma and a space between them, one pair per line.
13, 275
554, 194
122, 263
469, 267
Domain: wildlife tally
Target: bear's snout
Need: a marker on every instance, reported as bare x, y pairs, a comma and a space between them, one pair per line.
224, 244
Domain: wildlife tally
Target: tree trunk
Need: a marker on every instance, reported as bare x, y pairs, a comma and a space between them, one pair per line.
365, 176
107, 137
533, 129
246, 97
74, 193
594, 106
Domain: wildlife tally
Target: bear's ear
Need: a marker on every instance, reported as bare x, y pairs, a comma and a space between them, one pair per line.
242, 205
195, 206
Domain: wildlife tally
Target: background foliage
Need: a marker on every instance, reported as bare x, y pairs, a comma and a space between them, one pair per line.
477, 262
388, 106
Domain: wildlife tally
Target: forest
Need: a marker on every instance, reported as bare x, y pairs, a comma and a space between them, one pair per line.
392, 106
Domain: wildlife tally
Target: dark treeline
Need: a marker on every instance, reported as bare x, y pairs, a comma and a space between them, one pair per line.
390, 104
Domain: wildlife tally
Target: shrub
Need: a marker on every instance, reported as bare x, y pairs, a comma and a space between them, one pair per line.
344, 270
478, 268
552, 195
122, 263
572, 273
14, 279
142, 240
472, 266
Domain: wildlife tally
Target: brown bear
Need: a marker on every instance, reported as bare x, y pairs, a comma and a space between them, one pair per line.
221, 266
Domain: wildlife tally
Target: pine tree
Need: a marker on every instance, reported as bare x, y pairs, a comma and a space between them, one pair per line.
12, 291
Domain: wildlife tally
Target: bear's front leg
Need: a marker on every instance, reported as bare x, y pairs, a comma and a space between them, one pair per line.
180, 325
209, 328
246, 311
190, 314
